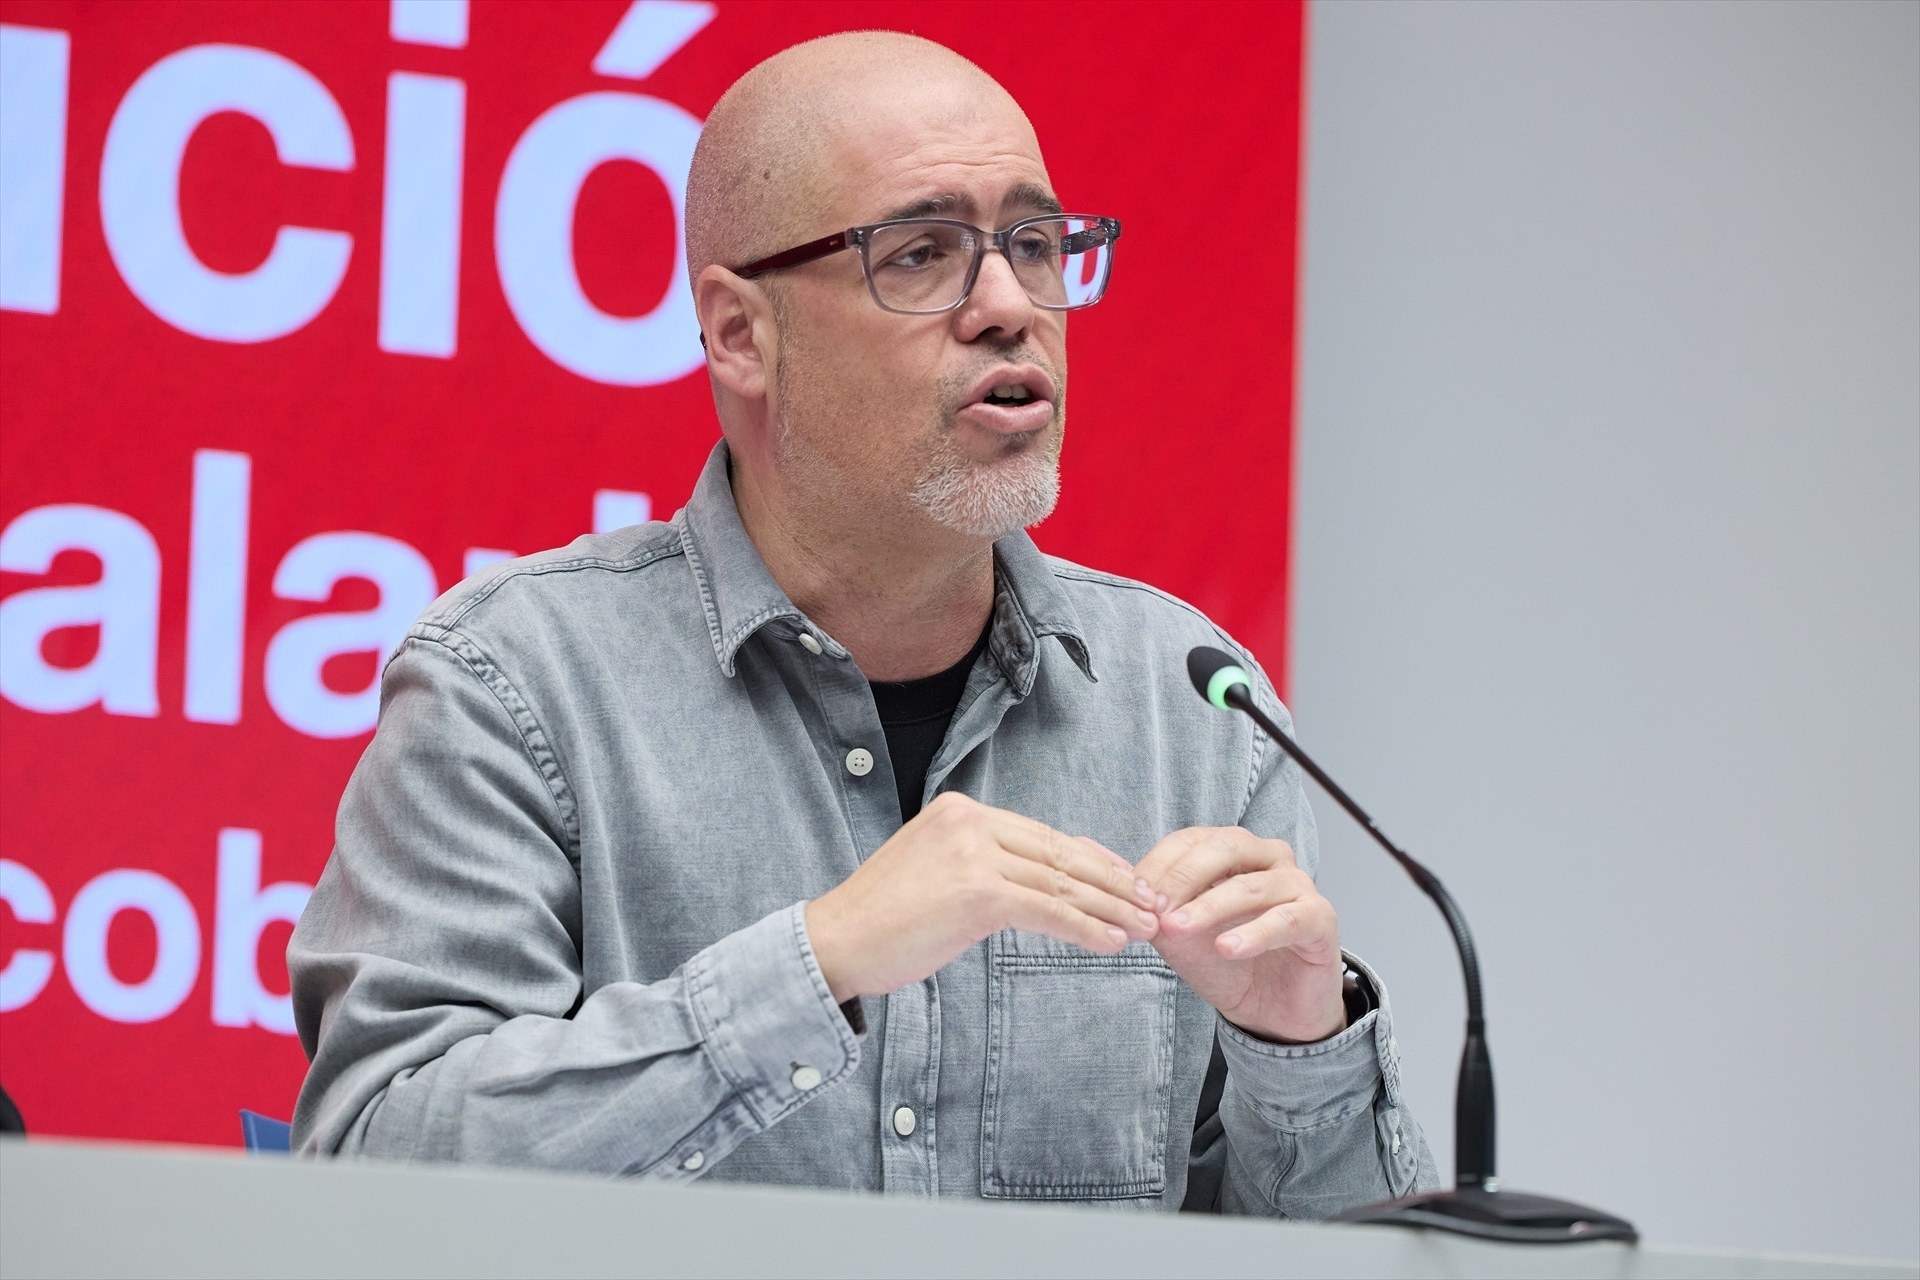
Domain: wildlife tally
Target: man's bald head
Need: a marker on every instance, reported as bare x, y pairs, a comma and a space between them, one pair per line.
775, 153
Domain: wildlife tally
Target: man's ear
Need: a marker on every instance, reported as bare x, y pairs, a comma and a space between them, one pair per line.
737, 330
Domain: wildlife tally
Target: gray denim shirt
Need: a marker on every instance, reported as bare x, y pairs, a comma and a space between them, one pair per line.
563, 924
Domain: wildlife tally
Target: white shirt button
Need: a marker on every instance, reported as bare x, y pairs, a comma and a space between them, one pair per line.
859, 762
805, 1077
808, 643
695, 1162
904, 1122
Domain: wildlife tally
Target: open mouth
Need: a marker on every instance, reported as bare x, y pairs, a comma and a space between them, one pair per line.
1013, 400
1018, 386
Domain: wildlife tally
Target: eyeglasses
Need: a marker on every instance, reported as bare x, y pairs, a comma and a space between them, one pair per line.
923, 266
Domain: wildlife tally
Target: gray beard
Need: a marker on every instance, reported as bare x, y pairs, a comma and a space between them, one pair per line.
989, 499
994, 498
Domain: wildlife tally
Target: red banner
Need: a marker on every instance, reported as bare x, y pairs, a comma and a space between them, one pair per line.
308, 309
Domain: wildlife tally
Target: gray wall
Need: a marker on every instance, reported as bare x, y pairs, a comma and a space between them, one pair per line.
1608, 583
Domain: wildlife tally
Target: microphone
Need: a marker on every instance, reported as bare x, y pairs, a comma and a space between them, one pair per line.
1476, 1206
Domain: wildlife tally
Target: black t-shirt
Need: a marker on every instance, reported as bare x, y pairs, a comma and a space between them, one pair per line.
915, 714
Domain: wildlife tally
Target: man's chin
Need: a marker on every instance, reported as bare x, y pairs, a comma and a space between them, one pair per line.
994, 497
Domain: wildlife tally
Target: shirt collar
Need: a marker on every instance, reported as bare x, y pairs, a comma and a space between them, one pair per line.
1028, 606
739, 596
737, 593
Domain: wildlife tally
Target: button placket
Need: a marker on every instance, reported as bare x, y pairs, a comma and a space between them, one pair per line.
909, 1083
848, 731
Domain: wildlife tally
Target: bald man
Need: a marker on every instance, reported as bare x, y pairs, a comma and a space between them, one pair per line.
830, 834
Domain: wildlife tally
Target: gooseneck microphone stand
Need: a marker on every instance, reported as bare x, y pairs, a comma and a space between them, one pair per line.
1476, 1206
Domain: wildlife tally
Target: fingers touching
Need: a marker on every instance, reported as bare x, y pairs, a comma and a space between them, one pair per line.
1246, 892
1189, 863
1092, 901
1035, 878
1226, 884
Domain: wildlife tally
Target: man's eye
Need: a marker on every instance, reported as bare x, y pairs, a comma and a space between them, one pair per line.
919, 256
1033, 248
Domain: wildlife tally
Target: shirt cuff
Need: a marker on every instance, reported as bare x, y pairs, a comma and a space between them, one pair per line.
1303, 1086
769, 1023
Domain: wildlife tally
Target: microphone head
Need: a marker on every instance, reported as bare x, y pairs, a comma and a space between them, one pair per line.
1214, 672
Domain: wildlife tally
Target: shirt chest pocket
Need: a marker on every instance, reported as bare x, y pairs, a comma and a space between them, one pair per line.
1079, 1077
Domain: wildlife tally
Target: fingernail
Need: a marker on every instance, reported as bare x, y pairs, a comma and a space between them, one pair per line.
1160, 902
1178, 917
1231, 941
1147, 919
1145, 891
1118, 935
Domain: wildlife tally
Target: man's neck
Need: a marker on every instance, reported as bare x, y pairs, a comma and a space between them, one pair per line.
905, 603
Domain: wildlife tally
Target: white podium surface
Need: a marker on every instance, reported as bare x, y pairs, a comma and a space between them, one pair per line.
72, 1208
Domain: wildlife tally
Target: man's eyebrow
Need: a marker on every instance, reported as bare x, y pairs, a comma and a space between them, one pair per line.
932, 207
1027, 195
1037, 198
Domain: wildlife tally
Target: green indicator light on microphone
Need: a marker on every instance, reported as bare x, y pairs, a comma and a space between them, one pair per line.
1224, 679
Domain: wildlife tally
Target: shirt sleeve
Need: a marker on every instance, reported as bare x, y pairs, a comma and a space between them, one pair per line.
437, 982
1312, 1130
1315, 1129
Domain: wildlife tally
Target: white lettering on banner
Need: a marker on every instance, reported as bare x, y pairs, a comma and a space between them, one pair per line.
421, 209
124, 603
140, 192
617, 508
435, 22
297, 653
242, 911
27, 969
533, 238
33, 164
420, 219
217, 585
176, 960
650, 32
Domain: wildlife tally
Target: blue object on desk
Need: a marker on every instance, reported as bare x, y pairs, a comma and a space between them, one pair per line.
264, 1135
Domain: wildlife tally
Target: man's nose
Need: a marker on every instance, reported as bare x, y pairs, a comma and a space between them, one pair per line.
998, 301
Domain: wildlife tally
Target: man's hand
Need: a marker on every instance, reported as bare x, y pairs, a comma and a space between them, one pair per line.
1248, 931
957, 873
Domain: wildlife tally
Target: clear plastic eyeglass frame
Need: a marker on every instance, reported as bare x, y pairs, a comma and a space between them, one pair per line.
1095, 236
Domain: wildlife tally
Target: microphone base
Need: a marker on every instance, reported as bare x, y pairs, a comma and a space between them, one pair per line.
1517, 1217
